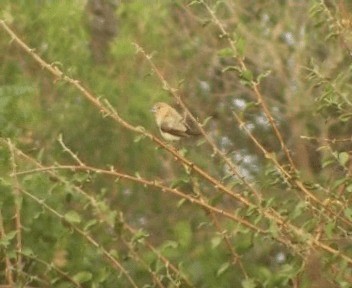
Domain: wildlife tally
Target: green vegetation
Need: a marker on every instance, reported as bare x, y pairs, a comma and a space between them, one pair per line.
91, 196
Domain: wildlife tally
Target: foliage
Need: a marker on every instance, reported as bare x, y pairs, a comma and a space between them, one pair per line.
92, 197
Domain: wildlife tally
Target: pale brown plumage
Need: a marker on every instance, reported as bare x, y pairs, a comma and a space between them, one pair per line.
171, 124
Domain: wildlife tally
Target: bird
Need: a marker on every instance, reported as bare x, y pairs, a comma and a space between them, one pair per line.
171, 124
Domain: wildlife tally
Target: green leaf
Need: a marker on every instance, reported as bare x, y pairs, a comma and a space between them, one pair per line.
183, 232
181, 202
179, 182
83, 276
248, 283
247, 75
329, 229
298, 210
206, 120
244, 242
348, 213
240, 45
223, 269
345, 117
231, 68
226, 52
138, 138
27, 251
327, 163
215, 241
5, 241
139, 236
338, 183
343, 158
274, 229
90, 224
170, 244
72, 217
251, 106
194, 2
114, 253
349, 188
263, 75
201, 142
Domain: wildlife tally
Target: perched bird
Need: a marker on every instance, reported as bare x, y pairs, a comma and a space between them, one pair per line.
171, 124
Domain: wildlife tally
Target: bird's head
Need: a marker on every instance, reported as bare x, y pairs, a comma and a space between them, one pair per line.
158, 106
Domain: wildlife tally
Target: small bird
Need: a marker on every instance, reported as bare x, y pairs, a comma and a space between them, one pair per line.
171, 124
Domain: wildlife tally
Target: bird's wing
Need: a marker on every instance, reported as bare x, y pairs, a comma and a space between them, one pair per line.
192, 132
176, 130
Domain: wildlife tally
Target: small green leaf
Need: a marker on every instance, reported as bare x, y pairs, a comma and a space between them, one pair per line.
201, 142
170, 244
179, 182
138, 138
250, 106
139, 236
206, 120
274, 229
349, 188
248, 283
72, 217
231, 68
298, 210
83, 276
345, 117
329, 229
183, 232
263, 75
90, 224
194, 2
181, 202
343, 158
327, 163
240, 45
215, 242
5, 240
114, 253
222, 269
348, 213
338, 183
27, 251
247, 75
226, 52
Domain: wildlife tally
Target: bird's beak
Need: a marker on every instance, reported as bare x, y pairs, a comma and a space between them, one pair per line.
153, 110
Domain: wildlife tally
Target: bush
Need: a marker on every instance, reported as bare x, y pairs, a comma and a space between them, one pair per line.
93, 197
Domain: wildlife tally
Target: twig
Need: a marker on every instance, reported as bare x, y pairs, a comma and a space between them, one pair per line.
138, 259
8, 269
116, 264
288, 176
109, 111
254, 85
166, 262
270, 214
333, 141
224, 234
267, 213
212, 144
66, 149
152, 183
53, 267
18, 205
96, 206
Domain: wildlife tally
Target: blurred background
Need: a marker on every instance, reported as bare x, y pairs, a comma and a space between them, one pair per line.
299, 51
